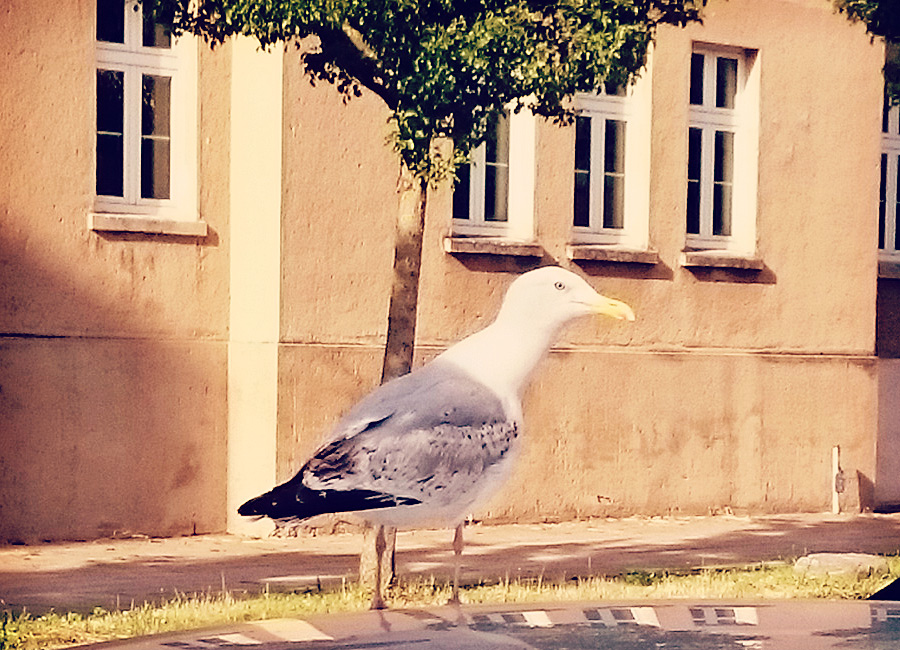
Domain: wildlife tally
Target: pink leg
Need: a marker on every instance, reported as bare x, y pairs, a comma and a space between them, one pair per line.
457, 560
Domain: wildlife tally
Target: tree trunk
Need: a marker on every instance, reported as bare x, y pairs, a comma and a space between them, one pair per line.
401, 334
401, 329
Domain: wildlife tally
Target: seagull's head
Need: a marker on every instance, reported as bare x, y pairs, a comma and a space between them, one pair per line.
536, 306
552, 296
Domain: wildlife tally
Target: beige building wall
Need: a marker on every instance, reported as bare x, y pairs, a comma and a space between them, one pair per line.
134, 368
729, 391
112, 346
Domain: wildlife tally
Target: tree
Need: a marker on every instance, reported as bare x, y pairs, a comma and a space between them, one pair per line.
882, 19
445, 69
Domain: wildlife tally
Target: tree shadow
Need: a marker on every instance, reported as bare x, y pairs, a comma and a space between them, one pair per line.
492, 554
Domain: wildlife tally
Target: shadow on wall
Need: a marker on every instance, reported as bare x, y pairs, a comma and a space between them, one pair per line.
866, 492
112, 387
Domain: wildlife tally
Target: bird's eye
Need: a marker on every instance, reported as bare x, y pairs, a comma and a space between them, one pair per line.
559, 285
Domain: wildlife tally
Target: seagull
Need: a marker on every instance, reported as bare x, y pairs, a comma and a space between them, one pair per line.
429, 447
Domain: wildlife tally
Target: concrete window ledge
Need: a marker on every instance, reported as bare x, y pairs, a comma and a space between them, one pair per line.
139, 224
492, 246
611, 253
721, 260
889, 269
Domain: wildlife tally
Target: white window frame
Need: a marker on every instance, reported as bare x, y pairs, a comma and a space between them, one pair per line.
743, 122
520, 207
888, 190
179, 62
634, 110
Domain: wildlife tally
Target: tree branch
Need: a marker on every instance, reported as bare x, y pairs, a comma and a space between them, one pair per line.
340, 47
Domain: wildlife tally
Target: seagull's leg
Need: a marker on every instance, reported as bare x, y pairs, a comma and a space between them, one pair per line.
380, 545
457, 560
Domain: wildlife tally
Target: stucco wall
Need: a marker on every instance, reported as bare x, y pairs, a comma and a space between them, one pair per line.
112, 347
692, 433
730, 389
96, 444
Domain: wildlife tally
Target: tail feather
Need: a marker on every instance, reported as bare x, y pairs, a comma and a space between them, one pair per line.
295, 501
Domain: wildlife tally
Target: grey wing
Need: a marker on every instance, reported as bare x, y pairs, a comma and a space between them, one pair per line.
431, 435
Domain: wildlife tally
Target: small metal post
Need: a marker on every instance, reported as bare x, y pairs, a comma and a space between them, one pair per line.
837, 480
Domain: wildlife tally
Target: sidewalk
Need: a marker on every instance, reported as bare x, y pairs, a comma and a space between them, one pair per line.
113, 573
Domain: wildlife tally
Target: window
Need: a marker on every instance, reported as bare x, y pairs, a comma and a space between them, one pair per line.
611, 167
483, 200
722, 145
888, 233
146, 116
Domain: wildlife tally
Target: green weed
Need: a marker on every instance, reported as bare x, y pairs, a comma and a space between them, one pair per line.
23, 631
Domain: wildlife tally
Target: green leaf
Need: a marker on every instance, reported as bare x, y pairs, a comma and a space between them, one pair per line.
445, 68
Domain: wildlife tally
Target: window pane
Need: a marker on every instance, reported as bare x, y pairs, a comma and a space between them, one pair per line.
695, 140
155, 165
582, 216
110, 168
723, 176
496, 192
496, 182
614, 146
110, 172
724, 159
614, 175
697, 79
461, 193
885, 114
613, 201
156, 102
155, 139
110, 100
722, 199
111, 21
497, 142
156, 34
582, 143
582, 199
882, 201
726, 82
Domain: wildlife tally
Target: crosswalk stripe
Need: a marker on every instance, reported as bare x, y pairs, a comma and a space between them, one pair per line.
236, 638
293, 630
537, 619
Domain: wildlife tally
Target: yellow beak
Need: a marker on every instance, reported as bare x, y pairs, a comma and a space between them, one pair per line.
615, 308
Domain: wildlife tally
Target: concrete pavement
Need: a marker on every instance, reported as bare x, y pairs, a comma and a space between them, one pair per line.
784, 625
114, 573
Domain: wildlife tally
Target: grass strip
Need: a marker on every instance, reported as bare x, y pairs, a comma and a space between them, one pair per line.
23, 631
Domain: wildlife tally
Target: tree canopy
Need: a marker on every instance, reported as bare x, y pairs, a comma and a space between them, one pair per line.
882, 19
447, 68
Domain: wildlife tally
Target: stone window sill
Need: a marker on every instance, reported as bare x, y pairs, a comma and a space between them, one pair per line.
889, 269
721, 260
611, 253
491, 246
103, 222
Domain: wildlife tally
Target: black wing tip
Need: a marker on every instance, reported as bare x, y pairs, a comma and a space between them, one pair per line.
280, 504
251, 508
